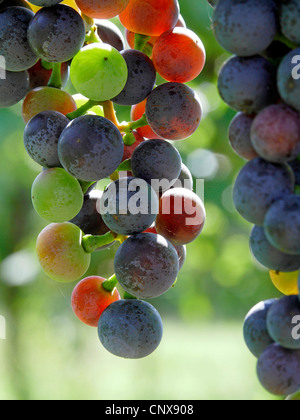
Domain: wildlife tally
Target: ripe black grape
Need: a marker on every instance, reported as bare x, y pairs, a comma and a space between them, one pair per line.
146, 265
14, 46
41, 137
11, 3
248, 84
91, 148
131, 329
13, 88
56, 33
240, 136
141, 78
110, 34
288, 81
289, 20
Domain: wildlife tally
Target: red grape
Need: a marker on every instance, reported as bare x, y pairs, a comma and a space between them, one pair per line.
90, 299
137, 111
102, 9
181, 216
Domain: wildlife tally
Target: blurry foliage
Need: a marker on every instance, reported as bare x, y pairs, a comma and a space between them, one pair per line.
219, 281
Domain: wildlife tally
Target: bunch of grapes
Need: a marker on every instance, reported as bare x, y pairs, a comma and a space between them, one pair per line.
261, 82
148, 205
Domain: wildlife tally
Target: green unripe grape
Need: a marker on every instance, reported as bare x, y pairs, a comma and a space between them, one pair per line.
60, 252
82, 100
56, 195
99, 72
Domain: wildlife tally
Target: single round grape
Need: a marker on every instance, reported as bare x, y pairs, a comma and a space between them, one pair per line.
269, 256
179, 55
280, 322
181, 216
89, 300
131, 329
288, 79
128, 150
45, 3
286, 283
14, 46
56, 33
146, 265
185, 179
60, 252
41, 137
99, 72
282, 224
289, 18
173, 111
110, 34
240, 136
275, 133
157, 162
258, 186
248, 84
11, 3
137, 111
39, 76
295, 165
13, 88
56, 196
150, 17
129, 206
141, 78
47, 99
102, 9
278, 370
245, 27
256, 335
91, 148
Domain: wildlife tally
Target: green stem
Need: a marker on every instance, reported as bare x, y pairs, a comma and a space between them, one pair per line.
92, 37
55, 79
85, 186
83, 109
133, 125
140, 41
286, 41
129, 139
90, 243
88, 22
46, 65
110, 284
128, 296
125, 166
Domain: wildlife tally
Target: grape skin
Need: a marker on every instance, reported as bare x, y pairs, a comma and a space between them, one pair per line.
295, 165
91, 148
256, 335
41, 137
13, 88
289, 20
131, 329
56, 33
269, 256
245, 27
248, 84
45, 3
258, 185
146, 265
11, 3
14, 46
110, 34
104, 9
240, 136
288, 86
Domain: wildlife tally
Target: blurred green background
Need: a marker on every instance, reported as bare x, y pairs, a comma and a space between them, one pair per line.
48, 354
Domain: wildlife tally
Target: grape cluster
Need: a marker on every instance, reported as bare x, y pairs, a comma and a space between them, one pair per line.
261, 82
148, 205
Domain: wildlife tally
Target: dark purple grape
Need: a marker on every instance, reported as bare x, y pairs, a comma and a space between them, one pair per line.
239, 136
295, 165
245, 27
248, 84
131, 329
41, 137
258, 186
146, 265
256, 334
110, 34
275, 133
129, 206
91, 148
282, 224
288, 79
289, 20
45, 3
141, 78
14, 46
56, 33
157, 161
13, 88
278, 370
269, 256
12, 3
173, 111
181, 251
281, 322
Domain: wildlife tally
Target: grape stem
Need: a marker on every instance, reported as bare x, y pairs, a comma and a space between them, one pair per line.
128, 296
92, 37
286, 41
92, 242
55, 79
110, 284
46, 65
83, 109
88, 22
